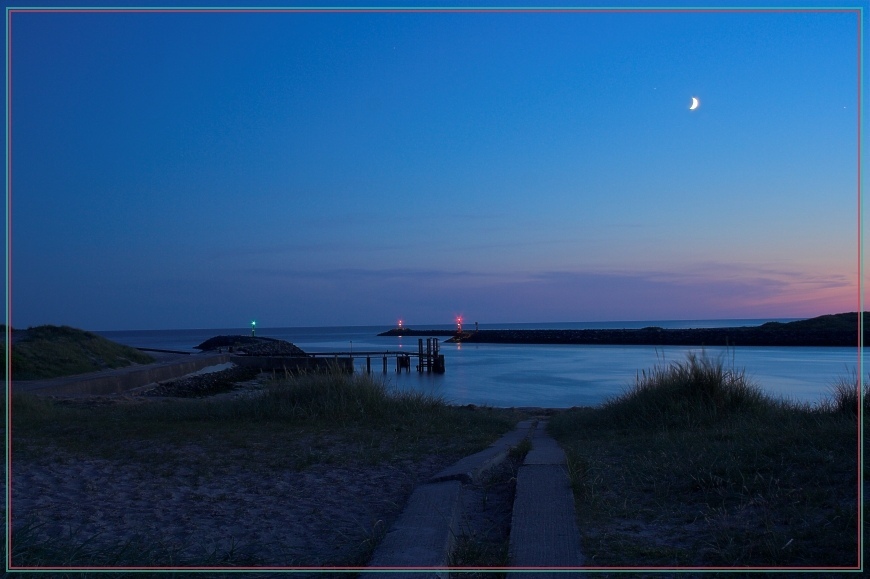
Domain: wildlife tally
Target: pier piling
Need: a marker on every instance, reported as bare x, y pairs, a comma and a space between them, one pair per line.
345, 361
420, 354
431, 360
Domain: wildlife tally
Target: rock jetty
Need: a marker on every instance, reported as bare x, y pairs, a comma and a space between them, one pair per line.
830, 330
252, 346
416, 333
661, 337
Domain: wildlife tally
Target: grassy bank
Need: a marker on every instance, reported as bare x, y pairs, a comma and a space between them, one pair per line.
694, 466
295, 430
53, 351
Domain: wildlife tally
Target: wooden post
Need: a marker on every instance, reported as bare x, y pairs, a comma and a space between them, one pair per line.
368, 364
385, 363
420, 354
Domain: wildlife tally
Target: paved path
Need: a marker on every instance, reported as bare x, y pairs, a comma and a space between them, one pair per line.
543, 529
425, 533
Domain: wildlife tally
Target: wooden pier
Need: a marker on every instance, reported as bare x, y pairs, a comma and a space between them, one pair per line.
429, 359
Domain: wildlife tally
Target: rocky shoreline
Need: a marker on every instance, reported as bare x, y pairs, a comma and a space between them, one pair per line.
211, 383
199, 385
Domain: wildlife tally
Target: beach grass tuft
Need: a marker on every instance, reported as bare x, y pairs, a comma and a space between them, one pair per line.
344, 398
700, 390
845, 395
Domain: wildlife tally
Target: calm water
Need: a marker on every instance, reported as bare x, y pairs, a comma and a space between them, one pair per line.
542, 375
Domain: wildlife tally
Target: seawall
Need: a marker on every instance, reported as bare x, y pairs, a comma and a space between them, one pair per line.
840, 330
742, 336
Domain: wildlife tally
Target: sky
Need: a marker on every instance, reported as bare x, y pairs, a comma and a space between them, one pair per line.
204, 169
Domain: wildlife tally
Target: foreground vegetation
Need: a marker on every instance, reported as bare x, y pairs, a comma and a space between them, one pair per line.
692, 467
695, 467
295, 425
53, 351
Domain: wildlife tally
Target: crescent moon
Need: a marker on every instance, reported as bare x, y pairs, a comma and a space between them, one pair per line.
695, 104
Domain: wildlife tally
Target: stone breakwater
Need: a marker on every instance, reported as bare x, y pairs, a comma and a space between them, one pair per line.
418, 333
829, 330
743, 336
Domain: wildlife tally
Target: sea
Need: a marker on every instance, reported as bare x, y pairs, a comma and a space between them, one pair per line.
552, 376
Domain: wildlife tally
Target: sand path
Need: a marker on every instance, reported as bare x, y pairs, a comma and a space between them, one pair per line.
321, 515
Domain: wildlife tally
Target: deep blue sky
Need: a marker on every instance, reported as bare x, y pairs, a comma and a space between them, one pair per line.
181, 170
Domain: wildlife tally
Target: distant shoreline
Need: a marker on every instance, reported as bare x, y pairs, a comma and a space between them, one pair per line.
837, 330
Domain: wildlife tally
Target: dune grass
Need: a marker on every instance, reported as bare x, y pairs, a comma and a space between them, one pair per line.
843, 397
694, 466
53, 351
694, 393
293, 425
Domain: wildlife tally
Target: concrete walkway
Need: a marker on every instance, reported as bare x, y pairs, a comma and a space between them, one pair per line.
543, 529
424, 535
